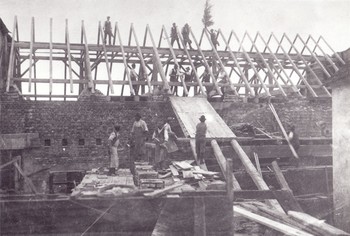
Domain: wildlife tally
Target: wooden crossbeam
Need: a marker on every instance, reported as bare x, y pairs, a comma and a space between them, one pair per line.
26, 179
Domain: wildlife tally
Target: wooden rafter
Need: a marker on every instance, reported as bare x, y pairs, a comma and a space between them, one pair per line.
50, 61
220, 63
324, 54
69, 58
87, 60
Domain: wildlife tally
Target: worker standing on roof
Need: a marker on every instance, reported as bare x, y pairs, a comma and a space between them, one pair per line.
186, 35
201, 132
188, 79
108, 30
139, 132
213, 38
173, 35
113, 143
133, 77
206, 79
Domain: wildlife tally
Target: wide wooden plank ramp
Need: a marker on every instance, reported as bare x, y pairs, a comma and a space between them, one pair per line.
188, 111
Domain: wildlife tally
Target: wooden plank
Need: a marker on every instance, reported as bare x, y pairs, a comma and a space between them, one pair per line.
17, 158
253, 173
31, 54
199, 217
283, 228
158, 193
272, 108
257, 163
229, 189
223, 164
17, 141
12, 57
316, 224
50, 61
174, 171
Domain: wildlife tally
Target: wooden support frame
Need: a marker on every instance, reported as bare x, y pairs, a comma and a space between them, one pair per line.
31, 54
110, 83
159, 64
12, 57
295, 67
221, 64
87, 60
126, 68
69, 57
234, 58
143, 64
324, 54
50, 61
334, 52
175, 59
252, 64
127, 60
204, 61
267, 66
114, 54
307, 65
278, 62
314, 56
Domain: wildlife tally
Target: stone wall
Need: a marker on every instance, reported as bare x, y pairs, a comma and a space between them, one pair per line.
312, 118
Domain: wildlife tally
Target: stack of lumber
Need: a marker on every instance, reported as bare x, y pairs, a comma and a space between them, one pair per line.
292, 223
93, 183
143, 172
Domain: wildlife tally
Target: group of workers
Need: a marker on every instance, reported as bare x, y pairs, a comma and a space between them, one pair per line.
163, 137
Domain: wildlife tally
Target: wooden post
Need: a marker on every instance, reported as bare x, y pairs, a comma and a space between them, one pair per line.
12, 58
229, 187
69, 58
253, 173
223, 165
87, 60
50, 60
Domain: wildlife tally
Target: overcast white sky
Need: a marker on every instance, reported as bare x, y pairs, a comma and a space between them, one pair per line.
329, 18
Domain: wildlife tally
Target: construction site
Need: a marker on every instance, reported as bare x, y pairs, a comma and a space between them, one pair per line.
60, 102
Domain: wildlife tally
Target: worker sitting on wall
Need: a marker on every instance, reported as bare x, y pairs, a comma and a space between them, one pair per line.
113, 143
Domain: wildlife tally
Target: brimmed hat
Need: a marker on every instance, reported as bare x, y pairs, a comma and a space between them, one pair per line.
202, 118
138, 115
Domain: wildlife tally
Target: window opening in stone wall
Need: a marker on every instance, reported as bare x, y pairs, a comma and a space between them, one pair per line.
81, 142
64, 142
47, 142
98, 141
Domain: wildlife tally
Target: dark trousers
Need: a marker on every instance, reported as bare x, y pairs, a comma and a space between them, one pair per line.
200, 149
109, 34
177, 40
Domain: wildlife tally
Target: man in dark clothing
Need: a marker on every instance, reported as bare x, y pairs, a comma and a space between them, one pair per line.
174, 37
201, 132
213, 38
108, 30
186, 35
174, 78
206, 79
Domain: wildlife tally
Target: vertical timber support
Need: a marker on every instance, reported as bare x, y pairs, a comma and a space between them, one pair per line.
87, 60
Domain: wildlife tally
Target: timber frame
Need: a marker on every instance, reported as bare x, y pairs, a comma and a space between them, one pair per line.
254, 66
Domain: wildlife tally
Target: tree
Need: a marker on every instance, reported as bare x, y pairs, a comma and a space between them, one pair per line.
207, 17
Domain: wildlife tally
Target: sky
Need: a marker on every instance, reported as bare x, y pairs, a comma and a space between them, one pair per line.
329, 18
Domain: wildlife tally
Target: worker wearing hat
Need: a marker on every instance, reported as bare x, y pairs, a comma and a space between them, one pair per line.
201, 132
108, 30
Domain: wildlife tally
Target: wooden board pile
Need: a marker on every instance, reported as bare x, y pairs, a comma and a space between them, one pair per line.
145, 174
292, 223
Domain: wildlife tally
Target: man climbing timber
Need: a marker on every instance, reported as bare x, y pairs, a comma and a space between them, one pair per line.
201, 132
